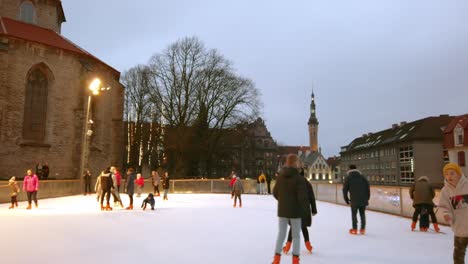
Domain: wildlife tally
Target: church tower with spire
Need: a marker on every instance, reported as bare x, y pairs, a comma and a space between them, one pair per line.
313, 126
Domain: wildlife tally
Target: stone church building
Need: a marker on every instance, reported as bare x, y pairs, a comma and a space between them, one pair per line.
44, 80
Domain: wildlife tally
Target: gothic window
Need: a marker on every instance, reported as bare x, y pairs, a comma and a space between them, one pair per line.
27, 12
35, 106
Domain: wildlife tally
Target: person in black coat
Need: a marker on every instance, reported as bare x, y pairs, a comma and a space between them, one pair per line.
307, 219
293, 204
148, 200
166, 184
106, 186
130, 186
358, 187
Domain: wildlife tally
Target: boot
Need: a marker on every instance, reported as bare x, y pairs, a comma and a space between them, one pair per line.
353, 231
287, 247
29, 207
423, 229
11, 207
362, 231
308, 246
276, 259
103, 208
240, 205
413, 226
130, 207
295, 260
108, 208
36, 205
234, 205
436, 227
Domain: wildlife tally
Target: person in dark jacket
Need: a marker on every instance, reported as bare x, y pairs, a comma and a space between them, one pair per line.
166, 185
106, 187
422, 194
358, 187
293, 204
87, 182
237, 189
45, 170
306, 220
130, 186
148, 200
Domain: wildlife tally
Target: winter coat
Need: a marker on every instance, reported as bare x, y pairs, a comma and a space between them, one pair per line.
14, 189
156, 179
237, 187
291, 192
130, 183
454, 203
30, 183
166, 183
118, 178
262, 178
97, 186
307, 220
87, 178
140, 182
233, 180
358, 187
422, 192
106, 182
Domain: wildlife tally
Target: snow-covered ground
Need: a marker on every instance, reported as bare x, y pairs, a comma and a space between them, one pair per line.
202, 228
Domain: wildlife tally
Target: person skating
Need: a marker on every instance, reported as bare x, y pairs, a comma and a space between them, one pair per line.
97, 187
115, 191
140, 183
156, 179
238, 189
262, 181
106, 187
14, 190
454, 207
231, 183
305, 221
422, 194
130, 186
148, 200
291, 192
87, 182
358, 187
166, 184
31, 186
118, 177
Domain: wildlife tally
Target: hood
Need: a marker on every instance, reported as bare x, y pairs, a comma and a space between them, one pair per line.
355, 171
423, 178
289, 172
13, 179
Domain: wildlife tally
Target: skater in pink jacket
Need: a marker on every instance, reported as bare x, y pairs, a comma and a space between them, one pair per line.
31, 186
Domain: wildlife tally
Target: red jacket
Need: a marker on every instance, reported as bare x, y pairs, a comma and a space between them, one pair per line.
118, 177
140, 182
232, 182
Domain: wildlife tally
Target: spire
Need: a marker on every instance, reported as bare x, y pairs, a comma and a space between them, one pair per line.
313, 117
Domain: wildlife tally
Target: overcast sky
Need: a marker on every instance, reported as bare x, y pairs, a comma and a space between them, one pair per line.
371, 63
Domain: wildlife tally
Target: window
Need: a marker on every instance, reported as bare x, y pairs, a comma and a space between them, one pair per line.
459, 137
27, 12
35, 106
461, 158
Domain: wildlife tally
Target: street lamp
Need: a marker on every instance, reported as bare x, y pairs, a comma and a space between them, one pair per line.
94, 89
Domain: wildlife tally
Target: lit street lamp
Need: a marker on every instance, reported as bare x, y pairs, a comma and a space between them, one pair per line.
94, 89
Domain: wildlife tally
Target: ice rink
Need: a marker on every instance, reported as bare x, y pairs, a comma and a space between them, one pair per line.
203, 228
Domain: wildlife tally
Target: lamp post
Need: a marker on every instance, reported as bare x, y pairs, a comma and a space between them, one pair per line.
94, 89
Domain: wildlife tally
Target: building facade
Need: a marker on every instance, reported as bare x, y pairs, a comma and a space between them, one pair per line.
456, 141
401, 154
44, 80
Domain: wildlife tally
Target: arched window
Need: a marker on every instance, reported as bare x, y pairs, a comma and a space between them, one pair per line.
35, 105
27, 12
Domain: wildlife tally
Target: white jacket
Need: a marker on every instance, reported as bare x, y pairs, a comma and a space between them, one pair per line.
454, 203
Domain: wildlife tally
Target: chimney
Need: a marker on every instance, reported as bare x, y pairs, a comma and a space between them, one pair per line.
403, 123
394, 126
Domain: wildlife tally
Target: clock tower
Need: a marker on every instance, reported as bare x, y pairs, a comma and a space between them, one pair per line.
313, 126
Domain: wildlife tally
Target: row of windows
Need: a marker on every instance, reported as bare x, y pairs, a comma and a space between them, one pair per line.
320, 176
372, 154
388, 179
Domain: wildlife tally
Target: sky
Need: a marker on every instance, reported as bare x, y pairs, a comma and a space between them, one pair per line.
370, 63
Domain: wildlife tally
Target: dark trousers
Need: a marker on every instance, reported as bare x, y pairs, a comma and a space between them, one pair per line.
362, 214
305, 233
131, 199
237, 196
156, 190
118, 188
107, 194
87, 187
14, 200
459, 250
32, 196
425, 210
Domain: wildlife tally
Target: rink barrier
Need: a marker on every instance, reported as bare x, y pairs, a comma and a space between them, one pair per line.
387, 199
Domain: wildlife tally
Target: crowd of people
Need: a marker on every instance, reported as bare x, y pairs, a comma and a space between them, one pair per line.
296, 200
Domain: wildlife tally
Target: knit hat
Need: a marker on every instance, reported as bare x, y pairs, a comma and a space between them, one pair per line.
452, 166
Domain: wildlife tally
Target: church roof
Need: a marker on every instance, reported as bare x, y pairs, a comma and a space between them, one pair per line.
13, 28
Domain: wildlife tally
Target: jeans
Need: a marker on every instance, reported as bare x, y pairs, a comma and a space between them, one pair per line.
156, 189
305, 234
295, 228
105, 193
165, 193
362, 213
459, 250
235, 199
87, 187
32, 196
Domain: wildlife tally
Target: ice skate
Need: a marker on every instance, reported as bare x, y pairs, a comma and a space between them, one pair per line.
295, 260
130, 207
29, 207
276, 259
308, 246
353, 231
413, 226
362, 231
287, 247
11, 207
436, 228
